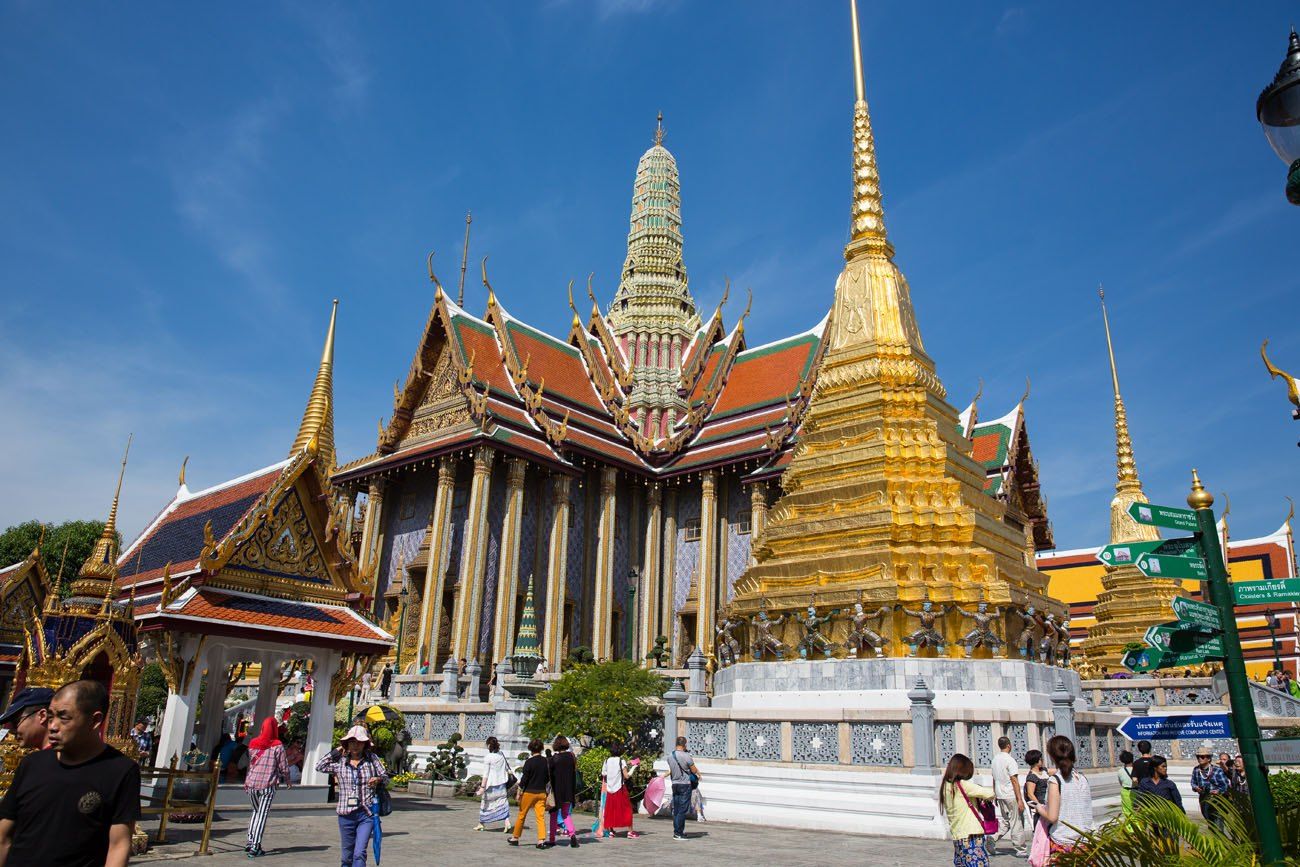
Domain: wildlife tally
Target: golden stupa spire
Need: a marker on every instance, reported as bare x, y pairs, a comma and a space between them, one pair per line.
99, 572
318, 419
868, 215
1126, 474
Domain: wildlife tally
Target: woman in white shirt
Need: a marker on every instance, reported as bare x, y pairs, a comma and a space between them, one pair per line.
1068, 810
617, 812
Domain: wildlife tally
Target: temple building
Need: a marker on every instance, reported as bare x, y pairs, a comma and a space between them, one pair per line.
255, 569
24, 587
628, 468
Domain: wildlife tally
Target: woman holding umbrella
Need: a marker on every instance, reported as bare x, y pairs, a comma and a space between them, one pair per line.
359, 773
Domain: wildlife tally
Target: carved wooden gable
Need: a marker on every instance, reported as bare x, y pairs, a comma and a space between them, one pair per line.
284, 546
442, 406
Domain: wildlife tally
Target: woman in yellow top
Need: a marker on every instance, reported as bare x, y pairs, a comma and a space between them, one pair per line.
958, 797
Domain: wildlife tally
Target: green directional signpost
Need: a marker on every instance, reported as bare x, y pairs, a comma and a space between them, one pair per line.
1206, 630
1265, 592
1158, 566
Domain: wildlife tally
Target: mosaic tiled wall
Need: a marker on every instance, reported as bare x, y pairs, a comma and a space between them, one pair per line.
406, 520
622, 563
738, 543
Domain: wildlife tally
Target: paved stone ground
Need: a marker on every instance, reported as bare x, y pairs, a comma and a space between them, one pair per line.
421, 832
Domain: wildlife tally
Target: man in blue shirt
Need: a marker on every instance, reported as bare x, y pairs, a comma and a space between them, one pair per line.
1158, 785
1208, 779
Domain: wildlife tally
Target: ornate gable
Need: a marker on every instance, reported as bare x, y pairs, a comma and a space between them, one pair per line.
441, 406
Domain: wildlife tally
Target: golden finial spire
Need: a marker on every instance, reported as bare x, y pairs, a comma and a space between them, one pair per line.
98, 573
868, 215
1126, 467
659, 129
181, 480
464, 260
318, 418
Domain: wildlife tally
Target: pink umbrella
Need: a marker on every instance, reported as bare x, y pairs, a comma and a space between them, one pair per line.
654, 795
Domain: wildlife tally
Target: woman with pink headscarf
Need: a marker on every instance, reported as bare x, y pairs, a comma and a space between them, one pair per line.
267, 769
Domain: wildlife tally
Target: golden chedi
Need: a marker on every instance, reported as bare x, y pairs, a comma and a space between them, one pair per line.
1130, 601
883, 502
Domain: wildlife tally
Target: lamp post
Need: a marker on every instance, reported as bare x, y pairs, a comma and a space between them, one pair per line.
1278, 112
401, 624
633, 577
1271, 619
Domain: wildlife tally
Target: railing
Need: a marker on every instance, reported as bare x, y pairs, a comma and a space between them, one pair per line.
167, 804
1273, 702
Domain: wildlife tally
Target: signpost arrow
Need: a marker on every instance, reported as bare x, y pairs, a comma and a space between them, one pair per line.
1197, 642
1189, 727
1170, 517
1126, 552
1157, 566
1180, 635
1189, 610
1142, 661
1258, 592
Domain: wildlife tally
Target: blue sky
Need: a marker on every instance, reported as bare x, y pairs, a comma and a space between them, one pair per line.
186, 187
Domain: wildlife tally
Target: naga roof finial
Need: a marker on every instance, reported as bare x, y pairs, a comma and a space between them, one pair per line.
433, 278
1292, 384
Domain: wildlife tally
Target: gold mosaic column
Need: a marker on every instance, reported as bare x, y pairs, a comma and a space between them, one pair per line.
668, 567
708, 571
757, 515
473, 555
508, 575
650, 572
602, 644
370, 529
556, 579
435, 573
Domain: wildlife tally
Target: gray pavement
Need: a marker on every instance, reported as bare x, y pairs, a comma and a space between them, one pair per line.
423, 832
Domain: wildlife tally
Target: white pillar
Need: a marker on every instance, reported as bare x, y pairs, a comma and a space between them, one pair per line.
268, 689
214, 698
320, 726
178, 718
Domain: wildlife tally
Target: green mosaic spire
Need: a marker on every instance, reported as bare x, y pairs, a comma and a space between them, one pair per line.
527, 645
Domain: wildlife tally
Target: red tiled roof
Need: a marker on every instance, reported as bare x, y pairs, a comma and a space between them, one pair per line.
766, 375
478, 340
292, 620
176, 536
557, 364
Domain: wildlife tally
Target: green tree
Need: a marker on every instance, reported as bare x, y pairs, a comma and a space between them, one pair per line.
153, 690
598, 704
77, 536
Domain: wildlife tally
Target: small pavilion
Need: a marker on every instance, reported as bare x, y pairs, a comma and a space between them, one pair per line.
256, 569
23, 589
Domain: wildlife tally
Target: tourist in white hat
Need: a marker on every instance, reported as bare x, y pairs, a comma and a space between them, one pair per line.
358, 773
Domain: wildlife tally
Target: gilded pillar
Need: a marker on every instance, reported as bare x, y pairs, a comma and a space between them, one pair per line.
556, 580
668, 567
503, 630
435, 572
757, 515
708, 574
469, 600
602, 644
371, 532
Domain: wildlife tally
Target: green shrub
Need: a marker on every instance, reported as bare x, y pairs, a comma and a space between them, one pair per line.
598, 704
589, 763
1285, 786
447, 761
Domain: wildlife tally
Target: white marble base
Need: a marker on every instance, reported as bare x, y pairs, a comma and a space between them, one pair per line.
897, 804
966, 684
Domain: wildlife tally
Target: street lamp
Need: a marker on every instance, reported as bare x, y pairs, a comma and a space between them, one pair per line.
1278, 111
1271, 619
401, 624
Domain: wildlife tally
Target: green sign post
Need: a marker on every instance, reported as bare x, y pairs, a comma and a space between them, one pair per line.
1265, 592
1158, 566
1126, 552
1244, 722
1169, 517
1201, 613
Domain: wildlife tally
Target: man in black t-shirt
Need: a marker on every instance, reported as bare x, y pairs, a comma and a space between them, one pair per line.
1143, 767
76, 804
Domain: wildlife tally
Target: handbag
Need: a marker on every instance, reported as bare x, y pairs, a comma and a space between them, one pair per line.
383, 798
1041, 849
987, 816
550, 798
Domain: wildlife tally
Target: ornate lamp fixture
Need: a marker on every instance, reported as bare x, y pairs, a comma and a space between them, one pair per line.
1278, 111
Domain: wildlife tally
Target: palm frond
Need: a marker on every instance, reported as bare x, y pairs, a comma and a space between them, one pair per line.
1158, 834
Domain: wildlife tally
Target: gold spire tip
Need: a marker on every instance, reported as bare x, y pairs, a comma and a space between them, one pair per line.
317, 423
857, 52
1199, 498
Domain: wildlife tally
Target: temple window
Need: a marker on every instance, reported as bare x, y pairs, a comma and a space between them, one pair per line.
692, 529
743, 521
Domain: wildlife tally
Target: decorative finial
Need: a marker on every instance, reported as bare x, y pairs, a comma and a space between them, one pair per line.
1290, 514
659, 129
491, 294
464, 260
1199, 498
572, 306
318, 418
868, 214
433, 278
181, 480
726, 291
98, 573
1024, 397
590, 293
1126, 467
979, 391
1292, 384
